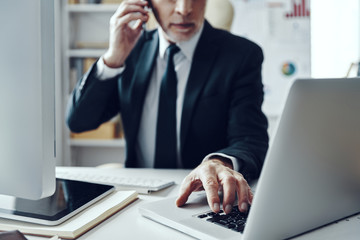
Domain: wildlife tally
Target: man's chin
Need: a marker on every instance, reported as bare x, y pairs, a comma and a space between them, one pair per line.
180, 36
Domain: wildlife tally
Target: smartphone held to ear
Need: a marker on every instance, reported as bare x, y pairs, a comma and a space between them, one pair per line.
148, 9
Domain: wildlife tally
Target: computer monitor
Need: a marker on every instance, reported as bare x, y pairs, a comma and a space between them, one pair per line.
27, 98
29, 190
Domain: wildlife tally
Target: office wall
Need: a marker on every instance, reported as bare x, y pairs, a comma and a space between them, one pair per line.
335, 36
323, 44
282, 29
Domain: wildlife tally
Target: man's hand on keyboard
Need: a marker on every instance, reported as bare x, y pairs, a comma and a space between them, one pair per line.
214, 175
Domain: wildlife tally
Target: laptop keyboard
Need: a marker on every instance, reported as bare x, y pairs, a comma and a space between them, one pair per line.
235, 220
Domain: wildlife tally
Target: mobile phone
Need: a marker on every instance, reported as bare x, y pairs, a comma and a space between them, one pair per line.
148, 8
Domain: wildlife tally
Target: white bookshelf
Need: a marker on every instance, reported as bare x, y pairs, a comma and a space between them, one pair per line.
82, 25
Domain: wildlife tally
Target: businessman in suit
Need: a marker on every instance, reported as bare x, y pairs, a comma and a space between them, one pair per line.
189, 96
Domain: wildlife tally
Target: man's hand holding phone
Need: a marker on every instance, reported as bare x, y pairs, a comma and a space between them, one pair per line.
125, 29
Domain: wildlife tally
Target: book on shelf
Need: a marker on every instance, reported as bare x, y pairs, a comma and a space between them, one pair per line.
111, 1
87, 63
92, 45
78, 67
108, 130
81, 222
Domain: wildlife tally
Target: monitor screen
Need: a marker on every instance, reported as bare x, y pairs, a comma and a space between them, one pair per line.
27, 98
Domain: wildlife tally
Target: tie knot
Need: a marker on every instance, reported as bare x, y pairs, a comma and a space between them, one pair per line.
172, 50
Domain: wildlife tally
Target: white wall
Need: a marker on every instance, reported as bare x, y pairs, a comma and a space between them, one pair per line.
335, 36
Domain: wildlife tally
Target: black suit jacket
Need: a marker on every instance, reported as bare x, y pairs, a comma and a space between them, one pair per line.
221, 109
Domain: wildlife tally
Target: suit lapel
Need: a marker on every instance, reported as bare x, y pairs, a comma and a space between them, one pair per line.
204, 57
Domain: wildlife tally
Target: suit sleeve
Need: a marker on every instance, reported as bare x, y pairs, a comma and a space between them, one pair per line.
92, 102
247, 126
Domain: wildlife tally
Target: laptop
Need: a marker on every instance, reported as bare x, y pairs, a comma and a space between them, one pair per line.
311, 174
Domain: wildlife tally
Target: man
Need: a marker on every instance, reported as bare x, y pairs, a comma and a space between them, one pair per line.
214, 123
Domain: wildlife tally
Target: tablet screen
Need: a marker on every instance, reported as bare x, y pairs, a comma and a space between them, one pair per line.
69, 198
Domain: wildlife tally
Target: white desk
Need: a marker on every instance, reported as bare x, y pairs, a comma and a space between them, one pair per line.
129, 224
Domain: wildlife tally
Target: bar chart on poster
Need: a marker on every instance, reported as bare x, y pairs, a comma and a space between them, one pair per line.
299, 9
282, 29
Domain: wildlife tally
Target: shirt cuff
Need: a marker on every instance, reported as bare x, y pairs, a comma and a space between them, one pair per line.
233, 159
104, 72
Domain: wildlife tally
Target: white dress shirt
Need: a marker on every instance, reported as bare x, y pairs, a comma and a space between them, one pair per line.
145, 146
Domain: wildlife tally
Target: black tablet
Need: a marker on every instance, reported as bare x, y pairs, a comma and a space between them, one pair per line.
69, 198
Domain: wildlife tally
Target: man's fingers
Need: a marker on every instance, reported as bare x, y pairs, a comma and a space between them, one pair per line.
228, 182
136, 16
243, 194
138, 2
211, 186
189, 185
251, 196
211, 176
132, 5
130, 9
125, 30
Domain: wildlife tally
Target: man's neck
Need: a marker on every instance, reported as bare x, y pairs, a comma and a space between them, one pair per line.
187, 47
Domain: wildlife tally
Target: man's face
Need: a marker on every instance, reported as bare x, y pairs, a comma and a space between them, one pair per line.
180, 19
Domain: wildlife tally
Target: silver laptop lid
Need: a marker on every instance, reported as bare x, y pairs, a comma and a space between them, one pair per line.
311, 175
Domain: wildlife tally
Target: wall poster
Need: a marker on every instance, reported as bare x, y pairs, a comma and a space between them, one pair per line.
282, 29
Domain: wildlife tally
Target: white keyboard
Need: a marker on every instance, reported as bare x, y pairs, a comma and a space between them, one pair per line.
141, 185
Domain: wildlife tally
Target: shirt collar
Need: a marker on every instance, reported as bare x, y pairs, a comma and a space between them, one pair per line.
186, 47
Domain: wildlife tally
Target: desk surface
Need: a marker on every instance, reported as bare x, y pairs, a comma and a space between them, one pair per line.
129, 224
